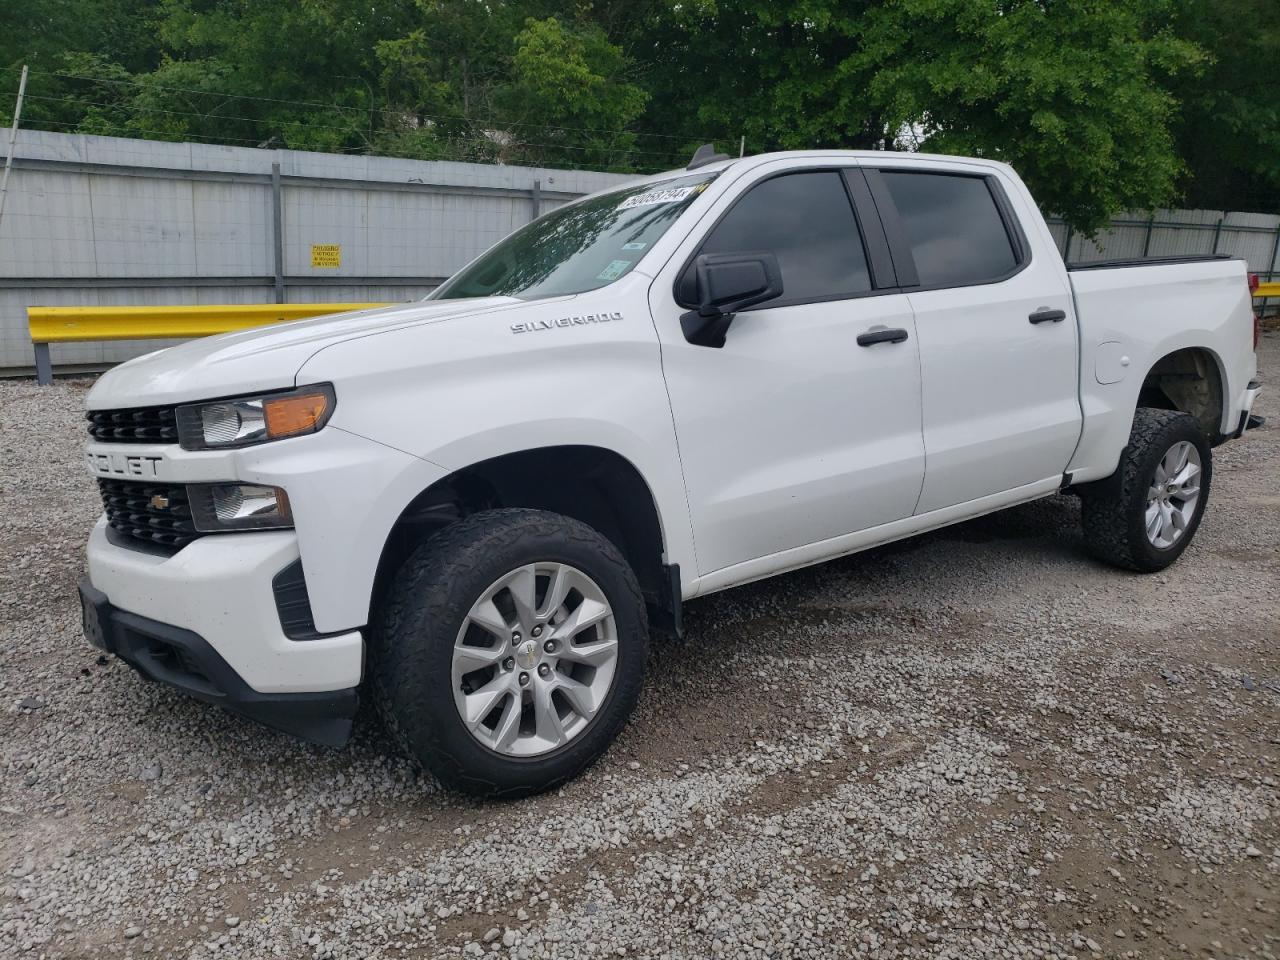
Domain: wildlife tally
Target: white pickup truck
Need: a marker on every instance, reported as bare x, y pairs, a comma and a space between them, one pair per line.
476, 506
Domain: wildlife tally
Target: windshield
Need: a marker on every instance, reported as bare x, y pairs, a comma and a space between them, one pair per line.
580, 247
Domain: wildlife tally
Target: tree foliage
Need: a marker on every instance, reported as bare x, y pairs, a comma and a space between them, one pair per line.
1227, 129
1102, 105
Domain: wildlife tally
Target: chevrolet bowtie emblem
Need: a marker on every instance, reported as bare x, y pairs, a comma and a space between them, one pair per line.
159, 502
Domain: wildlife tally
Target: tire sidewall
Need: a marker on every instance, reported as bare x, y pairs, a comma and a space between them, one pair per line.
419, 689
1149, 555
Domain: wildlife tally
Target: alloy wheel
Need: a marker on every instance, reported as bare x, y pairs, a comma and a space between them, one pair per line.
534, 660
1173, 495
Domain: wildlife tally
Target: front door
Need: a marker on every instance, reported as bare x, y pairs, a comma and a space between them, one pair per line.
793, 432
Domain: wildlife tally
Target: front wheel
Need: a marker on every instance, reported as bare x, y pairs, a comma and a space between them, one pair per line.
1144, 516
510, 651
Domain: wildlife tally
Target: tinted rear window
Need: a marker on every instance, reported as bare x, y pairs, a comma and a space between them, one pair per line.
953, 226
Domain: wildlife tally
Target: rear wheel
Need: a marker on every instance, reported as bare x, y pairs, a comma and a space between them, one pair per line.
1144, 516
510, 651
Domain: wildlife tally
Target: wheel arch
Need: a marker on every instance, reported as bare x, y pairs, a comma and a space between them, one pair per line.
1191, 380
593, 484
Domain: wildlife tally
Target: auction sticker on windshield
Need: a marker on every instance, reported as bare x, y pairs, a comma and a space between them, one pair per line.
666, 195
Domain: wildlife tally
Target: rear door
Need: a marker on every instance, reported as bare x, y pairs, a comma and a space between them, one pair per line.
793, 432
998, 338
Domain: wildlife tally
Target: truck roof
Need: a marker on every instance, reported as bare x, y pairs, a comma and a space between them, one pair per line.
758, 159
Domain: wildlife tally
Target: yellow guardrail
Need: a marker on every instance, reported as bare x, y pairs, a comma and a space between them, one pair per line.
79, 324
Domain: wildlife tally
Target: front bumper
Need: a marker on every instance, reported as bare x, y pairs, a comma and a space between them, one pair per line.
220, 589
186, 661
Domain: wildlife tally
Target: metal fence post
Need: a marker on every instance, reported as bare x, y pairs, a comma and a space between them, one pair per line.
277, 230
44, 365
1271, 270
536, 196
1217, 232
1146, 243
1066, 247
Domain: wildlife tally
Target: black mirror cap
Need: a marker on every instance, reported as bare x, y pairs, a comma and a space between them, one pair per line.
727, 283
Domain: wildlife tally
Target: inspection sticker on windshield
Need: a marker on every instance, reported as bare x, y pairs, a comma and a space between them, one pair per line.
666, 195
614, 270
634, 245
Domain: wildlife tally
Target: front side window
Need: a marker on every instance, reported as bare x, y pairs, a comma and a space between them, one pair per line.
953, 226
806, 220
580, 247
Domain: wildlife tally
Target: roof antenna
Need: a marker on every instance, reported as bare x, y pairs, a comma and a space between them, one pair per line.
704, 155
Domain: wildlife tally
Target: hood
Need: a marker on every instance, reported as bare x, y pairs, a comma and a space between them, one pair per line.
263, 358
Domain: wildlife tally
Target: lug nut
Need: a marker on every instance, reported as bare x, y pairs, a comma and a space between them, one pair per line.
549, 646
515, 636
508, 665
544, 671
524, 679
537, 631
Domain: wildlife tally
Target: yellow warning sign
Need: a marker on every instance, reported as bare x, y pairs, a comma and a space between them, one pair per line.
326, 255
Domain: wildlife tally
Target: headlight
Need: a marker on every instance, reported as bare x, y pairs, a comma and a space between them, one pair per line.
243, 421
219, 507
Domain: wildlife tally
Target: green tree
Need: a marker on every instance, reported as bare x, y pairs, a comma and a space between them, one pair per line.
1068, 91
496, 81
81, 54
1228, 125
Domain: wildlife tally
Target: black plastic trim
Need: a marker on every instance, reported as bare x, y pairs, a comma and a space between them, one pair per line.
883, 274
293, 605
1047, 316
904, 264
667, 613
126, 542
1151, 261
184, 660
872, 337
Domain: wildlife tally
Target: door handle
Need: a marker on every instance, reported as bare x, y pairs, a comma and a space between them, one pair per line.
1044, 315
872, 337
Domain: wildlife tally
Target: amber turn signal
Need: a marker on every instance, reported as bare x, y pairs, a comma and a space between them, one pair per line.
295, 414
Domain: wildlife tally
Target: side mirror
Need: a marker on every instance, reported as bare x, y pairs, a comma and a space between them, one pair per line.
727, 283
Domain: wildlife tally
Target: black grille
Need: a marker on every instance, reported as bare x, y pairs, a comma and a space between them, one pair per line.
134, 425
156, 513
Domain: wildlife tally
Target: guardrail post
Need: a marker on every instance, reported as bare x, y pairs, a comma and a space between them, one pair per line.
277, 231
44, 365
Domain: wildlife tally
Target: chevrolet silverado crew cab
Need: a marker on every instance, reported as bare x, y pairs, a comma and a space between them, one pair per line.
474, 508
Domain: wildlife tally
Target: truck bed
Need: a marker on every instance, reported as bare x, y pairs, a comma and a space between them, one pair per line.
1134, 312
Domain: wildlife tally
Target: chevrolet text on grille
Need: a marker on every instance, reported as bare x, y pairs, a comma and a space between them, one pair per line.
123, 465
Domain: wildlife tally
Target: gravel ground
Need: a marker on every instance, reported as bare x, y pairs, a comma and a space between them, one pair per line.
977, 743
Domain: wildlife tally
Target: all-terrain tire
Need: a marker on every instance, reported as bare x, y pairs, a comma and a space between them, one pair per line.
1114, 509
415, 628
